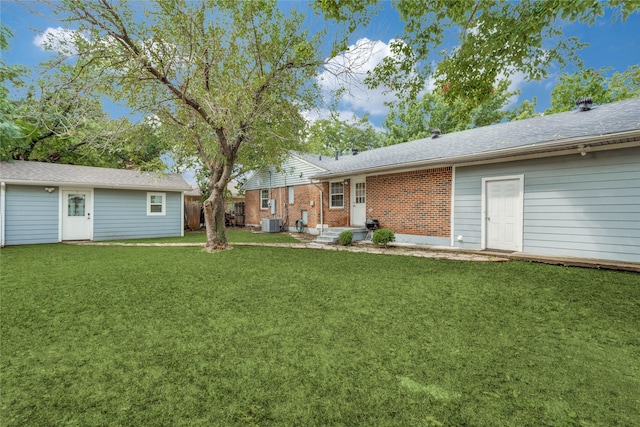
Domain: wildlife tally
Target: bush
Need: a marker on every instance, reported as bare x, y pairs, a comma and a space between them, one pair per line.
383, 236
345, 238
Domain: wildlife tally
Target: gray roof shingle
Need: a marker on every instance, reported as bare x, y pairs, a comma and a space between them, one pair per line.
38, 173
500, 140
318, 160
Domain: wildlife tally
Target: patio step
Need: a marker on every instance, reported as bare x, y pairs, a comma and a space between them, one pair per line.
330, 236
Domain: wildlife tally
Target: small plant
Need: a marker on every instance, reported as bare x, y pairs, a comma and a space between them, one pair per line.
383, 236
345, 238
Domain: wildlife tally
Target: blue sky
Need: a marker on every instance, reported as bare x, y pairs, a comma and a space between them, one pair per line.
611, 44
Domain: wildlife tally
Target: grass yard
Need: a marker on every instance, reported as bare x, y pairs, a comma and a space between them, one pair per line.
233, 236
174, 336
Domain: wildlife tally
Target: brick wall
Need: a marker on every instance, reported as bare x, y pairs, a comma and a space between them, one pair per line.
417, 202
306, 197
336, 217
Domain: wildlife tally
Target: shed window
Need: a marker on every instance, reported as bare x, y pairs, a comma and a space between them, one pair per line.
76, 205
336, 194
156, 203
264, 199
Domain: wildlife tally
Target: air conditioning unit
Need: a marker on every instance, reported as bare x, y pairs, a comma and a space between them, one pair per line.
271, 225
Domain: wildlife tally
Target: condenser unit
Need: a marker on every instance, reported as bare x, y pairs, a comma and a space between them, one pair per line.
271, 225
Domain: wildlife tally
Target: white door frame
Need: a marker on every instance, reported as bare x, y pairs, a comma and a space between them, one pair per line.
519, 207
63, 206
352, 196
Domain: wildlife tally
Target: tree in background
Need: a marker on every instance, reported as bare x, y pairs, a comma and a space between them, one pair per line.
596, 84
226, 79
65, 127
496, 39
410, 120
9, 74
56, 122
326, 136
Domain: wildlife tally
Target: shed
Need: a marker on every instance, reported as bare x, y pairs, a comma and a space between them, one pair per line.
49, 203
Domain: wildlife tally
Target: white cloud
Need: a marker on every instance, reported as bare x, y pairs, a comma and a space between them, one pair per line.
57, 39
347, 116
348, 70
517, 80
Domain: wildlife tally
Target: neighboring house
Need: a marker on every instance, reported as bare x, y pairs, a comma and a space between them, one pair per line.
48, 203
566, 184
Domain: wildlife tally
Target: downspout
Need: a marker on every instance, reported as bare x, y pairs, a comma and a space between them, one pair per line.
182, 214
319, 187
285, 204
321, 213
453, 204
2, 207
270, 197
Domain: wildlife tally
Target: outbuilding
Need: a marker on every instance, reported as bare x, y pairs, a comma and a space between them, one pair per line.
50, 203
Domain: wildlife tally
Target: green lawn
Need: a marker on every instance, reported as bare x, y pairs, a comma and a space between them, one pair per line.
174, 336
233, 236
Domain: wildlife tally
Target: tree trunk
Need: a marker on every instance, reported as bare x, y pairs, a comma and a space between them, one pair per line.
214, 221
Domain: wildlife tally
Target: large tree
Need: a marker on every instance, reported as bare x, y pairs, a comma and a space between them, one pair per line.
409, 119
496, 38
226, 79
326, 136
62, 126
602, 86
9, 75
55, 121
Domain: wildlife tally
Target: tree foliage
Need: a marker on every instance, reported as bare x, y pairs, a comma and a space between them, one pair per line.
56, 122
602, 86
62, 126
226, 79
326, 136
496, 38
411, 120
9, 75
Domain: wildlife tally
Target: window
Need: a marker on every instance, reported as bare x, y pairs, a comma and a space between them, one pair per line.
76, 205
290, 195
361, 192
264, 199
336, 194
156, 203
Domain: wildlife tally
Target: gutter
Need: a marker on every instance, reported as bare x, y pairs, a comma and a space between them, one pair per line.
93, 185
496, 155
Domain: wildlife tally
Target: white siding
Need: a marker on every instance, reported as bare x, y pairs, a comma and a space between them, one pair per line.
573, 206
294, 171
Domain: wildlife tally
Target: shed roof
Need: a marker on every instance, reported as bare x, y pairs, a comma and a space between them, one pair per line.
538, 134
38, 173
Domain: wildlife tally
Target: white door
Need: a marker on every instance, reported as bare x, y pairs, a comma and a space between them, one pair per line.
358, 201
503, 222
76, 215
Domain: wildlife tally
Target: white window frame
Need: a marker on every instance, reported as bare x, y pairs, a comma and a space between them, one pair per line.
264, 201
163, 204
291, 194
331, 194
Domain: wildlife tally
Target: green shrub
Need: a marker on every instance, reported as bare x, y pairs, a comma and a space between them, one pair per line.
345, 238
383, 236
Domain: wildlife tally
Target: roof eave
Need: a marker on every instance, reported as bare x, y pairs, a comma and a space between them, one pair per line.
94, 185
487, 155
